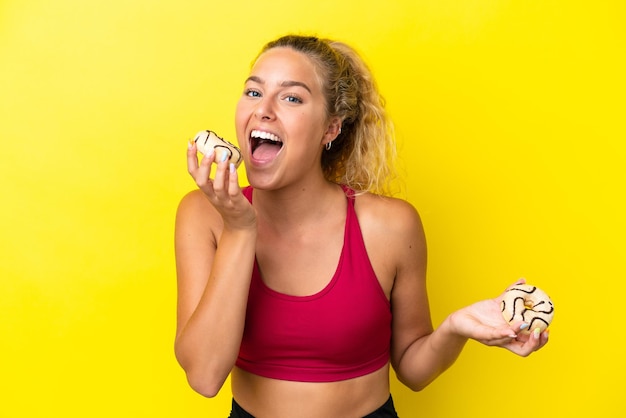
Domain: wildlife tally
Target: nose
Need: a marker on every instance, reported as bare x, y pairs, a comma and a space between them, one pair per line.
264, 110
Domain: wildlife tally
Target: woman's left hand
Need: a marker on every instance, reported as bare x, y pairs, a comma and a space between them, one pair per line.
483, 322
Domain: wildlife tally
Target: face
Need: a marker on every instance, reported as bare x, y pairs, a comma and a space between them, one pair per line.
281, 119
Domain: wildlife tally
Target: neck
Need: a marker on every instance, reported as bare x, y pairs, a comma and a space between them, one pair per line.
296, 206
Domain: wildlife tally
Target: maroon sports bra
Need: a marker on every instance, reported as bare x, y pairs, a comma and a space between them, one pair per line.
339, 333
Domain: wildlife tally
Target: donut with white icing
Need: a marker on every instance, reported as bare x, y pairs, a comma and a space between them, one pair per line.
524, 302
208, 140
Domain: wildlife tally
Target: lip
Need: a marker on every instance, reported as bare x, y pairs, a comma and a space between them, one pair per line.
263, 130
262, 162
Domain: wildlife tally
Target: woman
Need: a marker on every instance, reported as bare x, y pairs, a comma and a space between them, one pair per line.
308, 284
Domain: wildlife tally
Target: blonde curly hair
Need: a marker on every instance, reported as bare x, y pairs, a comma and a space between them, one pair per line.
363, 156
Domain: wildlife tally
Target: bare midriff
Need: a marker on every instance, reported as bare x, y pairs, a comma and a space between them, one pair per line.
270, 398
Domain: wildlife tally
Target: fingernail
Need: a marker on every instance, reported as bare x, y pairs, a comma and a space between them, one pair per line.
208, 155
232, 167
224, 157
537, 331
189, 144
524, 326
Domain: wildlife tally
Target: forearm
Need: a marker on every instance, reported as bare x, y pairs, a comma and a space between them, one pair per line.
429, 356
208, 344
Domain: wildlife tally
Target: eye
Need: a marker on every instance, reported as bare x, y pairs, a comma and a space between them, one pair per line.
251, 93
293, 99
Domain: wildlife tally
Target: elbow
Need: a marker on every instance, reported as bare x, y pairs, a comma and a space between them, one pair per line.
205, 386
202, 380
415, 386
414, 380
205, 389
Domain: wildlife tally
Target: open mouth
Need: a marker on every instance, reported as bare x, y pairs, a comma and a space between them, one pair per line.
264, 145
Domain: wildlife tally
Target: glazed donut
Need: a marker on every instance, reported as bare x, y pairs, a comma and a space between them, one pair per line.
208, 140
527, 303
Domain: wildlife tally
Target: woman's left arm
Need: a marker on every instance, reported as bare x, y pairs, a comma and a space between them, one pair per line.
418, 353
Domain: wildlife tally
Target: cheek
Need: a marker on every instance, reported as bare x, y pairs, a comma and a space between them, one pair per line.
241, 119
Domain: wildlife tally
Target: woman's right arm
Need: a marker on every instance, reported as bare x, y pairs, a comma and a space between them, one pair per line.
215, 242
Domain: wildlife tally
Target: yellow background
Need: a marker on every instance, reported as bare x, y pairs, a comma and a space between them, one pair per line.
510, 118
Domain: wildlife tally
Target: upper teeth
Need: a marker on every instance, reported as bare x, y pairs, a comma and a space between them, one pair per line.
264, 135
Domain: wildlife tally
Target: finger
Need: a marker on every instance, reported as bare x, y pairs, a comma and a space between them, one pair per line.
541, 338
545, 337
520, 326
537, 341
220, 184
233, 180
519, 281
502, 342
532, 343
192, 157
519, 348
495, 336
202, 175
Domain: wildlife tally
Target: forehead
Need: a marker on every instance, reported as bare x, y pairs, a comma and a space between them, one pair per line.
286, 64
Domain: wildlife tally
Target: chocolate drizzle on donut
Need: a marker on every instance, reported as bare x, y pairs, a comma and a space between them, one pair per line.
547, 305
204, 136
528, 304
530, 290
533, 322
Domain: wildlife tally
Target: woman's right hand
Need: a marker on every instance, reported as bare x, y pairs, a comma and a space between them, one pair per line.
223, 190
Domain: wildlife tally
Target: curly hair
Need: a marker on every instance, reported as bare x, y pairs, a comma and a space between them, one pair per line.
363, 156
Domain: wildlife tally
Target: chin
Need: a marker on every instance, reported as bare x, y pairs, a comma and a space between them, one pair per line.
261, 182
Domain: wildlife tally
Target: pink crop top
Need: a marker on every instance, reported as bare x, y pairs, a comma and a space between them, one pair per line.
339, 333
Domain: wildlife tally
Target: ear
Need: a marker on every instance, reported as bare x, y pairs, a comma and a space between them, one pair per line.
333, 130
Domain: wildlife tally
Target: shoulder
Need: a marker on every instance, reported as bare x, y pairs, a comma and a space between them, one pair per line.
392, 215
394, 239
194, 203
391, 227
196, 213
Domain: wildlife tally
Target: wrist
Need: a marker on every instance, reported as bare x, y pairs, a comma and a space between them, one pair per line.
245, 231
451, 329
241, 223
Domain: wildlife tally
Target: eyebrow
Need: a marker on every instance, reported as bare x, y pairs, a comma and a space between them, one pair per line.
287, 83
